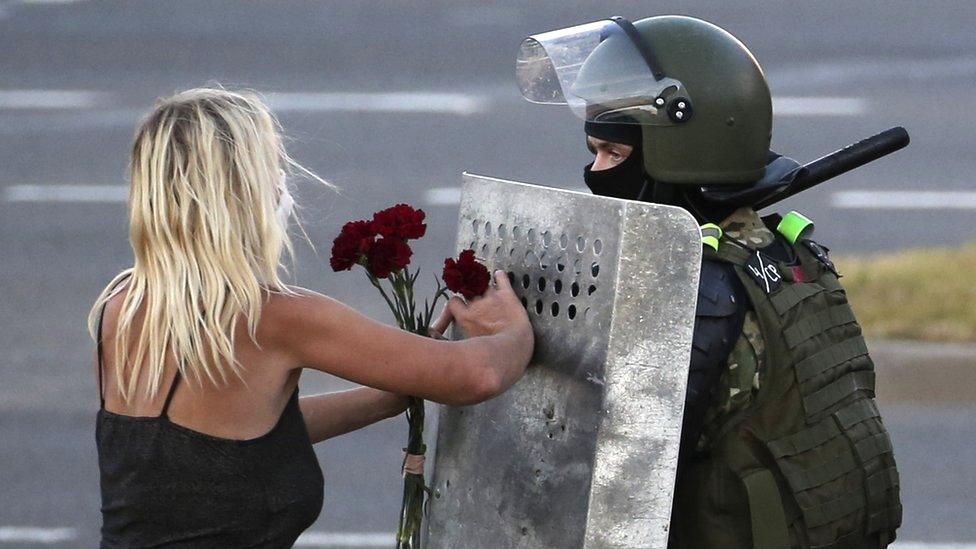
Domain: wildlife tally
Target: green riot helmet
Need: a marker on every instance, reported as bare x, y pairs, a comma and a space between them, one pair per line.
698, 93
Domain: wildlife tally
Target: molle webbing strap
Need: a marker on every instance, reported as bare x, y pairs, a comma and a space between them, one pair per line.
825, 430
807, 327
830, 357
856, 412
835, 392
711, 234
873, 446
792, 295
805, 478
832, 510
881, 482
847, 541
793, 225
804, 440
885, 519
766, 510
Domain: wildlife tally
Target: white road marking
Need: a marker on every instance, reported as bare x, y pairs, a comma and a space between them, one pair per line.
819, 106
66, 193
442, 196
874, 71
404, 101
905, 200
451, 196
437, 196
431, 102
51, 99
345, 539
408, 102
30, 534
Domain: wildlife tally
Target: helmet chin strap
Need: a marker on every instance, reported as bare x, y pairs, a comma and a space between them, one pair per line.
680, 196
664, 193
646, 190
642, 47
657, 192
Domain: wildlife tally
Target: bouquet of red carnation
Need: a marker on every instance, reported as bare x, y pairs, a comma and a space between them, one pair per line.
381, 247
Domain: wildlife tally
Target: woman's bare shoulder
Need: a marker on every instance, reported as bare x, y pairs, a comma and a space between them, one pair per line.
113, 306
293, 299
285, 312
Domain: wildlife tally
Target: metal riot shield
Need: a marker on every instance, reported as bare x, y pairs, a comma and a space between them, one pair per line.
582, 451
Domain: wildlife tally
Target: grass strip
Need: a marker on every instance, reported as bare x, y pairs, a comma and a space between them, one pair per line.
923, 294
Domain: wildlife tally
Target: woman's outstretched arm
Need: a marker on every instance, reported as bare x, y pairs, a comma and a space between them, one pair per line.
322, 333
332, 414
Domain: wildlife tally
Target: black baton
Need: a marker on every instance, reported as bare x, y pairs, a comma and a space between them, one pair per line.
852, 156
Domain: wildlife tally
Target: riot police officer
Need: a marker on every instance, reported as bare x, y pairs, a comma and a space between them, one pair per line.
782, 442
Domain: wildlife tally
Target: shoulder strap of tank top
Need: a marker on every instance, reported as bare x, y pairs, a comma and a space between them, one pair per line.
98, 334
169, 395
98, 344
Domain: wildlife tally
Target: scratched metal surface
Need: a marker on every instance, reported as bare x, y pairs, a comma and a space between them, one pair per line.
581, 451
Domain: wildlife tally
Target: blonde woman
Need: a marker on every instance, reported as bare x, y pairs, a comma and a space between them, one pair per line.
202, 439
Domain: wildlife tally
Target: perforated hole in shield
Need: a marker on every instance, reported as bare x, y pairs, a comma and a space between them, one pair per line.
554, 272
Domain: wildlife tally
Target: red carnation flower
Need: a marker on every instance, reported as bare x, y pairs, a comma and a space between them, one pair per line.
466, 275
353, 242
386, 255
401, 221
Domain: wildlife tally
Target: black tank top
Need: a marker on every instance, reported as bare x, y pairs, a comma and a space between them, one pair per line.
167, 485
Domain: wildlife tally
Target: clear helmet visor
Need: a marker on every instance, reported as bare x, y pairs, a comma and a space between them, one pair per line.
598, 71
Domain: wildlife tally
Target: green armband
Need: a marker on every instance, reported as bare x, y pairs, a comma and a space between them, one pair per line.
710, 235
793, 225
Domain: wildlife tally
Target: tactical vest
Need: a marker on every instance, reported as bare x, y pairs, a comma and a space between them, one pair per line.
809, 463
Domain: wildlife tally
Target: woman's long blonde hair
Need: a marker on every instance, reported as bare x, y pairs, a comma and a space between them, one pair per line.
206, 177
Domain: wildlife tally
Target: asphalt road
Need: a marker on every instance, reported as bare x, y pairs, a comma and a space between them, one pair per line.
392, 101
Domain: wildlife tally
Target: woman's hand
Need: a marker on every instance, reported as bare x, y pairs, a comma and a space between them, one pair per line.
495, 311
498, 318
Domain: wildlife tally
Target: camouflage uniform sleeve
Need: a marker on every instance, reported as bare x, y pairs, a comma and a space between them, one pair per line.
738, 383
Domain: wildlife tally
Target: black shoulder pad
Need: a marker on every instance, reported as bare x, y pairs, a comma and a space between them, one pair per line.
717, 289
722, 306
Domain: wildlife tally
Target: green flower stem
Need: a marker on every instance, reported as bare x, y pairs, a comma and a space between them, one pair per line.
396, 311
409, 293
396, 282
415, 491
404, 293
407, 282
414, 488
440, 292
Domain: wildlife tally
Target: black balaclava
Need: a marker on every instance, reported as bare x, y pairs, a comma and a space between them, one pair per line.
625, 180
